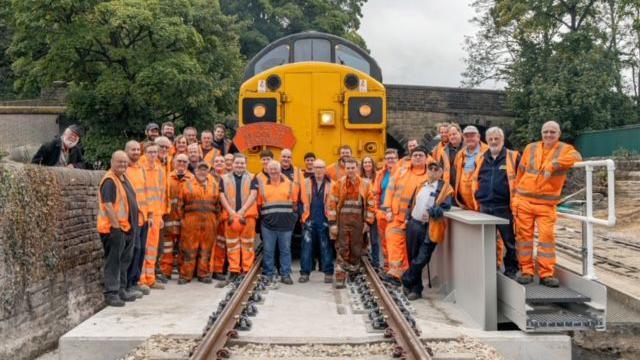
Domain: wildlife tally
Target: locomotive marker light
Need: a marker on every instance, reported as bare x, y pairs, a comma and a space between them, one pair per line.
259, 110
327, 118
365, 110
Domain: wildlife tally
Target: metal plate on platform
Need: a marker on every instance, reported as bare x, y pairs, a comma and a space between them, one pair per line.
540, 294
560, 321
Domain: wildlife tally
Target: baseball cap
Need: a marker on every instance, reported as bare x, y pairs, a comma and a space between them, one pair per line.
470, 129
151, 126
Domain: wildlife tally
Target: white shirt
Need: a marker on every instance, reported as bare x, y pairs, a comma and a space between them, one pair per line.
425, 198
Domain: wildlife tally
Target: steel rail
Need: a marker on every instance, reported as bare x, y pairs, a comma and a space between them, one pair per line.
403, 333
212, 345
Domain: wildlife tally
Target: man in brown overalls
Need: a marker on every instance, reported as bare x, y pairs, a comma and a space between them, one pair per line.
350, 213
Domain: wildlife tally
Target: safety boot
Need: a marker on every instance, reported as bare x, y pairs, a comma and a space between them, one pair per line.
218, 276
550, 281
126, 296
390, 280
328, 279
157, 286
113, 300
413, 296
206, 280
525, 279
182, 281
286, 280
303, 278
137, 293
144, 289
163, 279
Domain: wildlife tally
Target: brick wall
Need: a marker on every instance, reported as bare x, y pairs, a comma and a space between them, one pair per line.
56, 302
414, 111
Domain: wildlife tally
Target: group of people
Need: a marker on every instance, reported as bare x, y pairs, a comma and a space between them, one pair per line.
175, 201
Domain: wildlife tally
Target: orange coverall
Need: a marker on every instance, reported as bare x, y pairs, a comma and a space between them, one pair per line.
199, 206
170, 234
540, 179
157, 206
463, 186
381, 213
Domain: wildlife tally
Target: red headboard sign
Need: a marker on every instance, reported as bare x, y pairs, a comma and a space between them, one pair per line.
264, 134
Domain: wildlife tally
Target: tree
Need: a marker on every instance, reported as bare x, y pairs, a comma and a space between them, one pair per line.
267, 20
129, 62
6, 74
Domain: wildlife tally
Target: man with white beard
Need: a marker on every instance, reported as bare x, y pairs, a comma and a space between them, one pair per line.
493, 186
62, 151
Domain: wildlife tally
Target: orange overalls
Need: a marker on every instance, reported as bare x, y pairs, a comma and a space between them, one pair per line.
400, 190
170, 234
541, 176
381, 214
463, 192
239, 244
211, 155
156, 204
137, 177
219, 254
199, 205
350, 205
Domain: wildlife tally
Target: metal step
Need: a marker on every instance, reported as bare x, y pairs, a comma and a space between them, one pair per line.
540, 294
560, 320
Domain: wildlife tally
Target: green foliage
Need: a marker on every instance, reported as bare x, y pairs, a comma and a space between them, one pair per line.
129, 62
6, 74
268, 20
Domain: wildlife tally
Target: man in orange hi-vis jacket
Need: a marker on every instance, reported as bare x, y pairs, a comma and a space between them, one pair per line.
465, 165
401, 189
541, 176
199, 205
350, 213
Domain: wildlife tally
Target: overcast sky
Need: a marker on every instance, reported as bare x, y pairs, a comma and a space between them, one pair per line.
418, 42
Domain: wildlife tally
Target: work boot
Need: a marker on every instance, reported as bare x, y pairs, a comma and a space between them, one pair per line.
510, 273
182, 281
157, 286
339, 284
137, 293
206, 280
303, 278
126, 296
550, 281
390, 280
413, 296
219, 277
328, 279
163, 279
286, 280
525, 279
144, 289
113, 300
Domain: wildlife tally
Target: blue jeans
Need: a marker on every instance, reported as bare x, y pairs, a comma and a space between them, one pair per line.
139, 248
375, 244
312, 234
283, 239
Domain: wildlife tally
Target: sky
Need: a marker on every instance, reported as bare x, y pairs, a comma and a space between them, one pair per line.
418, 42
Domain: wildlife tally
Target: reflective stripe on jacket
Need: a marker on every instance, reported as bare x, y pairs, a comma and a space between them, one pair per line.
401, 188
121, 206
229, 182
341, 201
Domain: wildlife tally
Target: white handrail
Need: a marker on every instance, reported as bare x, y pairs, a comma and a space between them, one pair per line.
588, 219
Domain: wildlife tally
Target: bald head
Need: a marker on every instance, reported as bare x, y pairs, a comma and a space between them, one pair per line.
550, 133
119, 162
132, 148
180, 163
319, 169
285, 158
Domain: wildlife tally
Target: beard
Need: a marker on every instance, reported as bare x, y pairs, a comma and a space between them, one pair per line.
68, 143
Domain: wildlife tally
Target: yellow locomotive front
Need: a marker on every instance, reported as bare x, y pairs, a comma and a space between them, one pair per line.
312, 106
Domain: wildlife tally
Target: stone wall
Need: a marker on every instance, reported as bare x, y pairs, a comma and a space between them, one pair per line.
50, 278
414, 111
27, 126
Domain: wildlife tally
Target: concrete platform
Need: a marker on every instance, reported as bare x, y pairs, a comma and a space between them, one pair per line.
180, 310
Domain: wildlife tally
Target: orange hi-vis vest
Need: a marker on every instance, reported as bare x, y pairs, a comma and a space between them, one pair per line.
121, 206
199, 198
138, 179
437, 150
377, 186
358, 201
274, 199
442, 156
543, 172
336, 170
175, 187
211, 155
512, 156
400, 190
438, 227
156, 187
463, 180
229, 182
307, 196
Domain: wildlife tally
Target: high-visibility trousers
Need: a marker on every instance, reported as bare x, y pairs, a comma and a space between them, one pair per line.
465, 192
381, 220
397, 248
350, 244
527, 215
499, 251
196, 242
169, 237
240, 246
219, 251
148, 275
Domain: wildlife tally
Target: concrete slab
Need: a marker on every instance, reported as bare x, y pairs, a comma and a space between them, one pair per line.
180, 310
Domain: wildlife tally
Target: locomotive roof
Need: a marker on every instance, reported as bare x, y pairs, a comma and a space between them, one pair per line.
370, 66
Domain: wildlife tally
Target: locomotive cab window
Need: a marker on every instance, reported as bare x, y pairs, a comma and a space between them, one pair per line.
312, 50
276, 57
348, 57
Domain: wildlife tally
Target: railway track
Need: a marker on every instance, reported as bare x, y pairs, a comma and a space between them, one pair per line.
404, 334
614, 265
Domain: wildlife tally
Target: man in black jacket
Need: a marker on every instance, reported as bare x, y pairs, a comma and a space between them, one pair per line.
62, 151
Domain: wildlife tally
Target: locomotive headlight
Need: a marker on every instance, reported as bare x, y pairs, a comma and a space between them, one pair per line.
364, 110
370, 147
327, 118
259, 110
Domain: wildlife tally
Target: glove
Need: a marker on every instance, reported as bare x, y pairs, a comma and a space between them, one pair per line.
333, 232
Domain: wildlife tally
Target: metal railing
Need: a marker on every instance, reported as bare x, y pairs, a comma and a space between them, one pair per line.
588, 220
